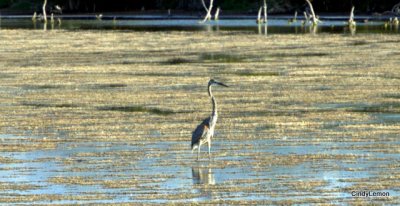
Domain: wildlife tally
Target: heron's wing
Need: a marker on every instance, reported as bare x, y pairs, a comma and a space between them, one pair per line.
200, 131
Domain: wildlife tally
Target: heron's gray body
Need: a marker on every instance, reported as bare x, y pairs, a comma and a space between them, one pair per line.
201, 134
205, 131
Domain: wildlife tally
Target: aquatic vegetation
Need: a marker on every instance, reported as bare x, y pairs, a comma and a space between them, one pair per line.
106, 86
380, 108
305, 116
178, 61
39, 104
251, 73
303, 54
34, 87
17, 187
221, 58
359, 43
4, 160
392, 96
136, 109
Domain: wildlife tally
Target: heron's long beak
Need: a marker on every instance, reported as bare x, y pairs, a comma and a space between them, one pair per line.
222, 84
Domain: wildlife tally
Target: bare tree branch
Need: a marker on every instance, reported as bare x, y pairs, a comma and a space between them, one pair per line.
44, 11
204, 5
259, 21
208, 16
352, 14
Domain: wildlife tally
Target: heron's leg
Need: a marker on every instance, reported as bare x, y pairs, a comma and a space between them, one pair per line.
198, 151
209, 148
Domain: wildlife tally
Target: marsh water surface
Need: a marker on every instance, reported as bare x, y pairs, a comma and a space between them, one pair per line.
281, 25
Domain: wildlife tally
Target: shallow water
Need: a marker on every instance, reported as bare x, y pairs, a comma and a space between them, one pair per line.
274, 26
176, 172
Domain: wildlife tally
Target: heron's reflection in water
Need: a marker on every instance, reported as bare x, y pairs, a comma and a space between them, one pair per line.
203, 176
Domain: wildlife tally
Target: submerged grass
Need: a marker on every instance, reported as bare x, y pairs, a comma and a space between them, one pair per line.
359, 43
259, 74
6, 76
221, 58
23, 186
175, 61
156, 111
160, 74
305, 54
393, 108
41, 87
106, 86
48, 105
391, 96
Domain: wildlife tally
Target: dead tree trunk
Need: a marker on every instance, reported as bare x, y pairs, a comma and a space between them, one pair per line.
208, 10
352, 14
216, 16
204, 5
314, 17
44, 11
259, 21
265, 11
352, 23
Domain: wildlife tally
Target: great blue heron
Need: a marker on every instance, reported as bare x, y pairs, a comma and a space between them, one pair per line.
205, 131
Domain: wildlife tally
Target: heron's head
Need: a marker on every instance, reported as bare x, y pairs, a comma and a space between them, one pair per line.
214, 82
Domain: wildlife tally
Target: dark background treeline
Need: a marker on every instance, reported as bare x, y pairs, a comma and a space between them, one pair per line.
243, 6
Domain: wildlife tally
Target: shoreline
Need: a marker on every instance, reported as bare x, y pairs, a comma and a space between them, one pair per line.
159, 16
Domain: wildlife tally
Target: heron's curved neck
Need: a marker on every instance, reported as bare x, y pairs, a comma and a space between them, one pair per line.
214, 102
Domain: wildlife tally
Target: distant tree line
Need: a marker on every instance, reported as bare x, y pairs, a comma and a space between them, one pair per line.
275, 6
